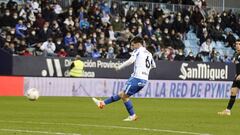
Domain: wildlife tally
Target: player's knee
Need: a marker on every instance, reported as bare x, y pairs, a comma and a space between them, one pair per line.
121, 94
234, 91
125, 97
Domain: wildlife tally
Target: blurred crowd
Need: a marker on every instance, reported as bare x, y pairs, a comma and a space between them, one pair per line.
102, 30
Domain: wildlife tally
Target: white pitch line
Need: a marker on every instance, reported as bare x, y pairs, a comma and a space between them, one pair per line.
109, 126
39, 132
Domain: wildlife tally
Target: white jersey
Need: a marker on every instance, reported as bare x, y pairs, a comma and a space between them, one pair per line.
143, 63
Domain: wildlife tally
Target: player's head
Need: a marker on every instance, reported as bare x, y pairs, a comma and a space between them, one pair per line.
238, 46
137, 42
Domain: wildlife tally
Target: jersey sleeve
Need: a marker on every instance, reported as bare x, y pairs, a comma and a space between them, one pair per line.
133, 57
134, 54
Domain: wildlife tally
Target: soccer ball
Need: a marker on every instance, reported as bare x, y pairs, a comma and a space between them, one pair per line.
32, 94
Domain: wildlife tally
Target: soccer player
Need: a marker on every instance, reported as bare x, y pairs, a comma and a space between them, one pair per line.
143, 62
236, 83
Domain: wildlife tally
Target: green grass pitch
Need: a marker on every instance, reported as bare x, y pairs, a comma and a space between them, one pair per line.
80, 116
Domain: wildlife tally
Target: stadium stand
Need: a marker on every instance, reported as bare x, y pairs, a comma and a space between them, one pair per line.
102, 30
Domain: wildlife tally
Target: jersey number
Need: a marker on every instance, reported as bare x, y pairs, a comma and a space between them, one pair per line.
148, 62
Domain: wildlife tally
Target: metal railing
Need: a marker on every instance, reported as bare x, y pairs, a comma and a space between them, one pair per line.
217, 5
180, 7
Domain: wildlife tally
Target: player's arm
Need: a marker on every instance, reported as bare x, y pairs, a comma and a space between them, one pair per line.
128, 62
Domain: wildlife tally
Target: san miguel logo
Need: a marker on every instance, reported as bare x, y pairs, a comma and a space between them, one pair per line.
203, 71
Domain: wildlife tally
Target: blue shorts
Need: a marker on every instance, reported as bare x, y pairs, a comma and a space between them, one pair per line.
134, 85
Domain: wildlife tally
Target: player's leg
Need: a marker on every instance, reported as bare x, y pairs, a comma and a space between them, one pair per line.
231, 102
111, 99
234, 92
107, 101
129, 106
128, 103
134, 87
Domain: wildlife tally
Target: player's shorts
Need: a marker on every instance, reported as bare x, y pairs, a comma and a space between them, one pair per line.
236, 83
134, 85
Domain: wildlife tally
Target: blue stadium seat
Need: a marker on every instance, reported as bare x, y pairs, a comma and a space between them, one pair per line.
194, 50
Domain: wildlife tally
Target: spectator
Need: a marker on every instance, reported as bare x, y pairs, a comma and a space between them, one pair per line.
8, 48
215, 56
81, 50
21, 49
177, 42
95, 54
59, 45
179, 56
69, 23
75, 5
48, 47
105, 18
69, 40
166, 38
12, 32
2, 39
190, 57
21, 29
110, 54
157, 12
207, 47
114, 9
166, 24
11, 4
204, 37
198, 58
5, 19
117, 24
110, 33
178, 24
230, 40
72, 52
84, 24
62, 53
149, 30
44, 33
35, 7
32, 39
225, 18
49, 14
55, 28
186, 24
105, 8
89, 47
196, 18
217, 33
236, 27
57, 8
40, 21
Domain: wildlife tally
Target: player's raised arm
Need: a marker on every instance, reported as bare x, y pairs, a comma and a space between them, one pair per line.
128, 62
